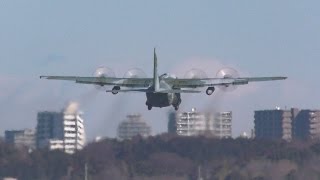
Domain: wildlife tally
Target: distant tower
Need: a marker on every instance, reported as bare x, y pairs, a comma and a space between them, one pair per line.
172, 122
253, 134
49, 126
132, 126
199, 173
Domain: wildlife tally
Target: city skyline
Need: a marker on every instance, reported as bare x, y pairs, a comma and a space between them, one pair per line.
256, 38
74, 107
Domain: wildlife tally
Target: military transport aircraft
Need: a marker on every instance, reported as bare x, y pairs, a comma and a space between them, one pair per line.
164, 90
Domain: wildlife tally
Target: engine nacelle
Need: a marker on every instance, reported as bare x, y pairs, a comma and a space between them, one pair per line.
115, 90
210, 91
228, 73
103, 72
168, 76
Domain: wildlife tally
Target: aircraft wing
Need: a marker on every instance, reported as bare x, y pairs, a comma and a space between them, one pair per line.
124, 82
160, 91
208, 82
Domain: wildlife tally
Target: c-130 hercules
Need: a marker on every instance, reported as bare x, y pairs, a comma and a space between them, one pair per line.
164, 90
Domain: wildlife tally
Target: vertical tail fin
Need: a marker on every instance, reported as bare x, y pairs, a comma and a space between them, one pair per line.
155, 72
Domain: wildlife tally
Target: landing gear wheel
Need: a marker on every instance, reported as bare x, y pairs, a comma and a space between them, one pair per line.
149, 107
115, 90
210, 90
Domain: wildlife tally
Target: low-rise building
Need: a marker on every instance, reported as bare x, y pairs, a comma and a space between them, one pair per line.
134, 125
9, 178
25, 137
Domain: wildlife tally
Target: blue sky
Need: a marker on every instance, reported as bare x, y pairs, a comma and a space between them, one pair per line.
258, 38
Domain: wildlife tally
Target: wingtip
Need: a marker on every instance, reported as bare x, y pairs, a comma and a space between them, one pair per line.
281, 77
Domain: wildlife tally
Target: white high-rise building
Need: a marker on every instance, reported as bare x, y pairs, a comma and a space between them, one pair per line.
63, 130
221, 124
210, 124
191, 123
73, 129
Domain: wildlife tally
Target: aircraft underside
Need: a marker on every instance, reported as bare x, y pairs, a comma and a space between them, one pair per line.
163, 100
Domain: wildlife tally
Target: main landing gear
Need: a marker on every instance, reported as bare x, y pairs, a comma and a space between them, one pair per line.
176, 105
115, 90
210, 90
149, 106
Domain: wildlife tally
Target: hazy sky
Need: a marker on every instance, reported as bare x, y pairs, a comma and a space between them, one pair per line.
259, 38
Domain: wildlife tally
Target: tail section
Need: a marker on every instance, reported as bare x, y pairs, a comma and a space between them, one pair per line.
156, 83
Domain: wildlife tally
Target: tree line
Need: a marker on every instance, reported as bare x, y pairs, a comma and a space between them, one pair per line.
167, 157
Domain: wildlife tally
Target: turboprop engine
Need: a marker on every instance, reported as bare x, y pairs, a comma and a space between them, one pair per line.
227, 73
103, 72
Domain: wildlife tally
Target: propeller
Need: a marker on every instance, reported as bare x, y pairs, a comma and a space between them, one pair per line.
135, 73
103, 72
195, 74
227, 73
